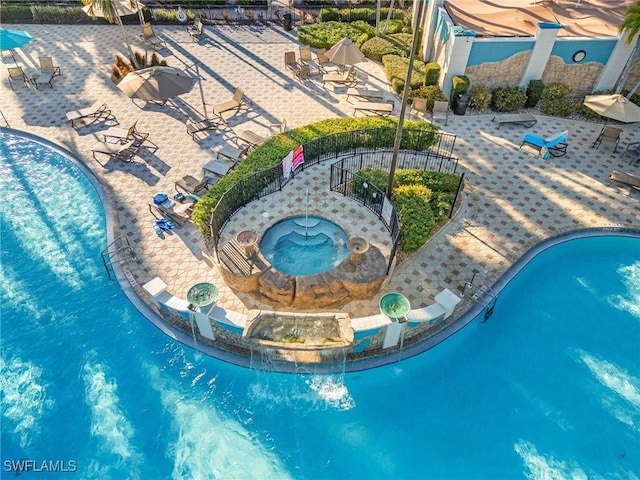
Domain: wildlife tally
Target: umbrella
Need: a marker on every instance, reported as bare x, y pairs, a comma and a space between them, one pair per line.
345, 53
616, 107
156, 84
122, 8
10, 39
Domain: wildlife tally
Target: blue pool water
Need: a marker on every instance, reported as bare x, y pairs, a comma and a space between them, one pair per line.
548, 388
304, 245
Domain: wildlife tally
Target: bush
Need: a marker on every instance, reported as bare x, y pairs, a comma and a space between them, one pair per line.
59, 15
556, 100
327, 34
534, 93
377, 47
417, 220
480, 97
353, 14
271, 153
16, 13
395, 68
430, 93
460, 84
508, 99
431, 73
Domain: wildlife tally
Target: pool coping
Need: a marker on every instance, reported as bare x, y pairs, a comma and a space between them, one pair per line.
380, 360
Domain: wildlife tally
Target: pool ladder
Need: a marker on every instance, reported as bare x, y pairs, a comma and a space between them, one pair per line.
113, 250
482, 295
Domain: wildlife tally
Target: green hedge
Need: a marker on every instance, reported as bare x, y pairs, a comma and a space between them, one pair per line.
534, 93
460, 84
354, 14
327, 34
431, 73
377, 47
275, 149
557, 100
508, 99
396, 67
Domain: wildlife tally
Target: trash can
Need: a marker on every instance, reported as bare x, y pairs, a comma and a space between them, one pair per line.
460, 108
287, 22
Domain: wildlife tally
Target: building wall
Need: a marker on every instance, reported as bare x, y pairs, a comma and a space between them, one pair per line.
506, 73
581, 77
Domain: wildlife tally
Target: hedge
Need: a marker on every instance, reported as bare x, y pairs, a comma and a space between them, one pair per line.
327, 34
395, 68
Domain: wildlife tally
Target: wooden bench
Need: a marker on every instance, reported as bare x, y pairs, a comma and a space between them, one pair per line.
377, 108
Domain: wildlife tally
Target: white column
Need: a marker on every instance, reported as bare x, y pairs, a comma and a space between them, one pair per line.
429, 27
456, 62
617, 60
545, 40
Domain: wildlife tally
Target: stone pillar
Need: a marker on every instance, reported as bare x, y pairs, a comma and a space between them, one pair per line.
545, 40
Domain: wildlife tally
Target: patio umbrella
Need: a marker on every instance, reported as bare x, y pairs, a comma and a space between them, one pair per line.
156, 84
10, 39
345, 53
616, 107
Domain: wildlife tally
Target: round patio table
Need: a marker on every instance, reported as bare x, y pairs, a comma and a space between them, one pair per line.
202, 294
394, 305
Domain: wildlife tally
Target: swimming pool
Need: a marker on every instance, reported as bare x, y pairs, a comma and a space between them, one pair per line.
547, 388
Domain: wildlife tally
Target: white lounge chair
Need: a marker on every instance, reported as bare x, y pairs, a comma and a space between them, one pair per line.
97, 110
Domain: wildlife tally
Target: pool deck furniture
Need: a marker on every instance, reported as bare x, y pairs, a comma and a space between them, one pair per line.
419, 106
633, 149
290, 62
323, 62
195, 29
48, 71
178, 212
623, 178
96, 111
197, 126
190, 184
348, 78
556, 144
121, 151
440, 111
364, 94
249, 137
523, 119
217, 168
230, 152
381, 109
608, 134
149, 37
237, 103
121, 134
16, 74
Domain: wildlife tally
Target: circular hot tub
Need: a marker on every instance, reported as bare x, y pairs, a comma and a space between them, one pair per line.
304, 245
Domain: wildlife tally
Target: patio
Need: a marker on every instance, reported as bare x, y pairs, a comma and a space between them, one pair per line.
512, 199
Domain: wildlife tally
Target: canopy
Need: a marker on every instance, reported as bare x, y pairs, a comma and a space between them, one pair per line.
345, 53
10, 39
157, 83
615, 107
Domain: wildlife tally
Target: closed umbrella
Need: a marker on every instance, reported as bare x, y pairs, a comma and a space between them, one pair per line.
156, 84
10, 39
616, 107
345, 53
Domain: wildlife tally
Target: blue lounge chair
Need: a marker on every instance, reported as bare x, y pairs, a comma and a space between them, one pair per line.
556, 145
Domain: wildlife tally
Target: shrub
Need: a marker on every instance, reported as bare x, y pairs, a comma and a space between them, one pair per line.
430, 93
327, 34
353, 14
416, 217
377, 47
395, 68
15, 13
508, 99
480, 97
556, 100
460, 84
431, 73
534, 93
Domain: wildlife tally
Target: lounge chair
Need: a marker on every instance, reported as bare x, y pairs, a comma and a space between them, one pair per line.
303, 73
16, 74
278, 127
125, 134
48, 71
440, 111
556, 145
121, 151
305, 56
324, 64
419, 106
195, 29
149, 37
97, 110
218, 167
524, 119
382, 109
191, 185
178, 212
372, 95
290, 62
608, 134
196, 126
250, 138
633, 149
627, 179
236, 103
348, 78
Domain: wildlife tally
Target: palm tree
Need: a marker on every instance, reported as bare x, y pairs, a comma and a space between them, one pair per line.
110, 10
631, 26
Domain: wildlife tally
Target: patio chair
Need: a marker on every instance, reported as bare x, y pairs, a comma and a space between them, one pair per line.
324, 64
97, 110
440, 111
197, 126
303, 73
178, 212
290, 62
627, 179
633, 149
121, 151
556, 145
305, 55
208, 16
236, 103
608, 134
48, 71
191, 185
125, 134
149, 37
250, 138
16, 74
524, 119
278, 127
195, 29
348, 78
419, 106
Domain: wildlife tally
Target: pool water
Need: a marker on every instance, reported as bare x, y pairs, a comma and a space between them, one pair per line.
548, 387
304, 245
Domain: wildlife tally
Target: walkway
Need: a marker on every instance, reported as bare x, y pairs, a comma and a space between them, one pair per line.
512, 199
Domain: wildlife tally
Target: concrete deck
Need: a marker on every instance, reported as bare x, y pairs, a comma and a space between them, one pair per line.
512, 200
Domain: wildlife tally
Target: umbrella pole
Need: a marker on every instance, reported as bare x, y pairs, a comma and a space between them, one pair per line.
204, 105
